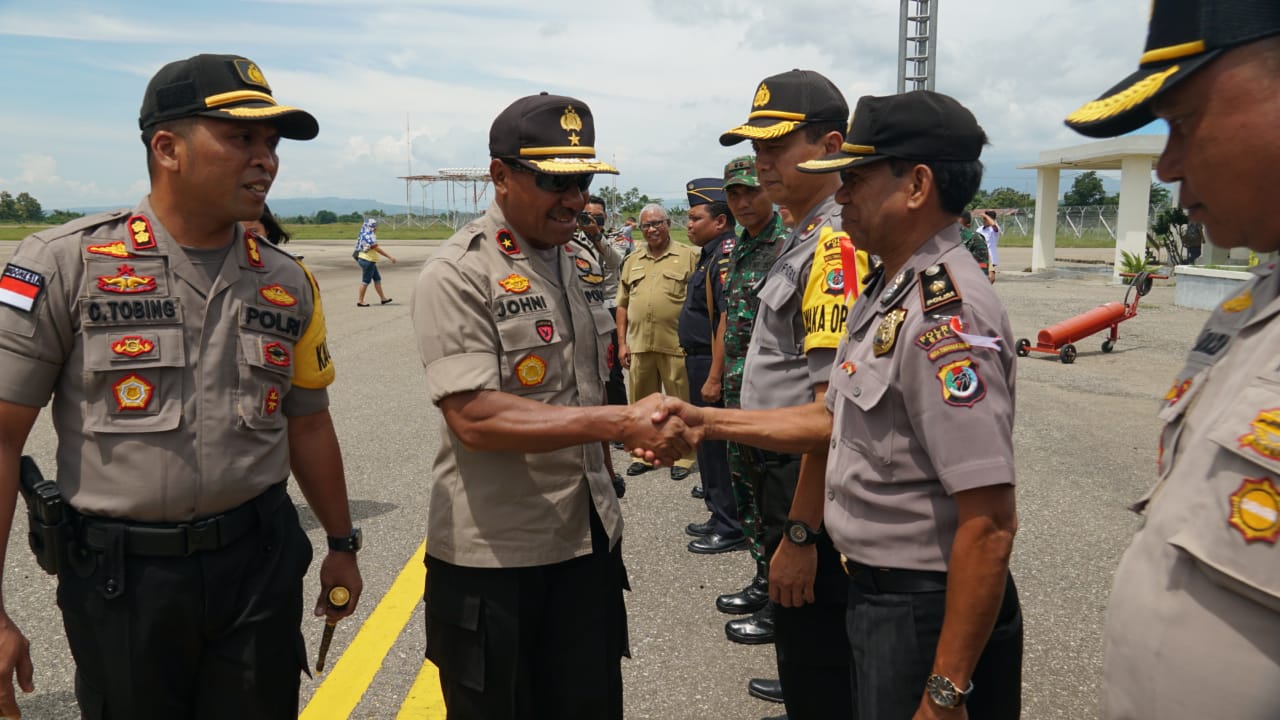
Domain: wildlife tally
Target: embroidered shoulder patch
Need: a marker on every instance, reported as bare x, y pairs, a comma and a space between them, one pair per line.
20, 287
962, 386
937, 288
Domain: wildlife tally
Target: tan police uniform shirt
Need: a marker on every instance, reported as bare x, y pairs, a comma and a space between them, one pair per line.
490, 314
170, 396
921, 411
652, 290
801, 316
1193, 626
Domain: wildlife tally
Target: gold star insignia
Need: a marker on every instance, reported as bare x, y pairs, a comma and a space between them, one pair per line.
573, 139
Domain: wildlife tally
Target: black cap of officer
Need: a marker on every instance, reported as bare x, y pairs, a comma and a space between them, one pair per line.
1183, 35
702, 191
787, 101
221, 86
551, 134
917, 125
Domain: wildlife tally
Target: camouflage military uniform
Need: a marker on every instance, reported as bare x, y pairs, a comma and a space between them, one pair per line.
976, 245
748, 264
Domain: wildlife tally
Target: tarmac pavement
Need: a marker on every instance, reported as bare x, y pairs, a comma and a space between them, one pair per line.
1085, 439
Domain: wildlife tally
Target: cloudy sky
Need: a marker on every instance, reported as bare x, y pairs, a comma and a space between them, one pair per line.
400, 84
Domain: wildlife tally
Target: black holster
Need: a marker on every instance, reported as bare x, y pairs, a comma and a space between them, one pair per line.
49, 533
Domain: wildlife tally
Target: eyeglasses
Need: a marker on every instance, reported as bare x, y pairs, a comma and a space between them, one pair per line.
587, 219
554, 183
655, 225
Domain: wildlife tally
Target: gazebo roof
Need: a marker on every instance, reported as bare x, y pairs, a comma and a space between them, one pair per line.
1100, 154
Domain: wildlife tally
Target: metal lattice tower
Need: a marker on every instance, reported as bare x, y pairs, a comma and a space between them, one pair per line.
917, 43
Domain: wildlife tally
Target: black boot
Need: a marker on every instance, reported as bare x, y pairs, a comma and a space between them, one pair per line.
770, 690
749, 599
754, 630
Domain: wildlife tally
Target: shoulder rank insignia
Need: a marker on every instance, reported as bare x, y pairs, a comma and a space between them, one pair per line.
132, 346
937, 288
507, 243
893, 290
251, 249
1265, 438
140, 231
133, 393
514, 283
962, 386
887, 334
531, 370
277, 295
114, 249
1255, 510
1240, 302
126, 282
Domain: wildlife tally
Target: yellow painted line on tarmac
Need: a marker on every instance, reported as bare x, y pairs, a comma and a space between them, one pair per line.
352, 674
424, 701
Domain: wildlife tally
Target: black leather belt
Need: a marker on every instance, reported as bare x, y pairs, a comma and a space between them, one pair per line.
180, 539
874, 580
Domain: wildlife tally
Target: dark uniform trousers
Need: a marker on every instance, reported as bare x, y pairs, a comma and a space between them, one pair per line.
814, 663
894, 620
509, 641
713, 455
158, 634
615, 388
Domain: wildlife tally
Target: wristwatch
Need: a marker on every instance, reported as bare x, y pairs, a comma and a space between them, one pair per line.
351, 543
944, 693
800, 533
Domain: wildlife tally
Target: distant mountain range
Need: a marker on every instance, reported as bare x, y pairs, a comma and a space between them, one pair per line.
289, 207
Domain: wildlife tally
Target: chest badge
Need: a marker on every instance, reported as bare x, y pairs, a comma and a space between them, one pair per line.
274, 353
582, 264
848, 367
887, 334
546, 330
132, 346
277, 295
531, 371
1239, 303
895, 287
125, 281
133, 393
272, 401
115, 249
1255, 510
514, 283
962, 386
140, 232
1265, 438
591, 278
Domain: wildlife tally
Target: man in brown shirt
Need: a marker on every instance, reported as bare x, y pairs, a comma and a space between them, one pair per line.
651, 291
524, 607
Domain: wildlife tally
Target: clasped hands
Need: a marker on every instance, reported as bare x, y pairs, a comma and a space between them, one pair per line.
662, 429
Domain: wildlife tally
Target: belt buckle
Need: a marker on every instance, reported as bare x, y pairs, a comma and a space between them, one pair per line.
202, 535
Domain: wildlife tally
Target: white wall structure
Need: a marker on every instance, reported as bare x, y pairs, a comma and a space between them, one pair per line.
1133, 155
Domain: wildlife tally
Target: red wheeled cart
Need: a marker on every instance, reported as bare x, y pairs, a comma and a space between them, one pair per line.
1058, 339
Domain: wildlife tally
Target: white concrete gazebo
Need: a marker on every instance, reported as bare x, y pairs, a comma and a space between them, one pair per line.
1133, 155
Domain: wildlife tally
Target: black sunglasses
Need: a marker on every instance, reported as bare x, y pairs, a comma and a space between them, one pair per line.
586, 219
554, 183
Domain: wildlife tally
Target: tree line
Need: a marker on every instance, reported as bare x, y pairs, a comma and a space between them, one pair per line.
1085, 190
27, 210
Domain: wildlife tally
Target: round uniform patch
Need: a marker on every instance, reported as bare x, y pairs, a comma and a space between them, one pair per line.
531, 370
133, 393
1255, 510
962, 386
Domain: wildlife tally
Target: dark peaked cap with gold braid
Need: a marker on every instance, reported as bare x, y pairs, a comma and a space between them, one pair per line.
221, 86
551, 134
703, 191
1183, 35
787, 101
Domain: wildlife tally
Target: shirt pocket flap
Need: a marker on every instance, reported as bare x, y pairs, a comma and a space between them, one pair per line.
118, 348
776, 292
268, 353
1250, 426
528, 331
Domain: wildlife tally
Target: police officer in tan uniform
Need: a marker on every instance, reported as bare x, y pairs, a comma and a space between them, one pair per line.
919, 417
1193, 625
651, 292
187, 366
524, 606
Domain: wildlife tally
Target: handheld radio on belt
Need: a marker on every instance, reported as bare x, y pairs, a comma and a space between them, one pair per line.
50, 528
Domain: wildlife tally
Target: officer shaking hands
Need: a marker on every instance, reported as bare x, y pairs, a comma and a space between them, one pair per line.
187, 366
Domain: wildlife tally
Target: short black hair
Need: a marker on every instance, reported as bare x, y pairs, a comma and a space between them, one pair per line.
957, 180
718, 208
178, 126
276, 234
814, 131
990, 213
967, 217
597, 200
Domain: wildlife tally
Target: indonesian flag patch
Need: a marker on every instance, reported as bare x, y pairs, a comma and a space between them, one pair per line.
19, 287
